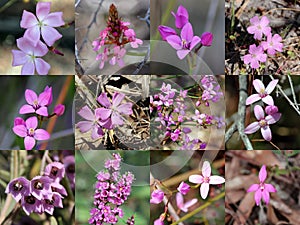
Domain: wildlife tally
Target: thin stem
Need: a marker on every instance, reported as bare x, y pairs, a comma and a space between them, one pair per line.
43, 164
293, 91
7, 5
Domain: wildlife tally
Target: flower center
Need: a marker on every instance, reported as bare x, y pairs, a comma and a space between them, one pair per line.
30, 200
38, 185
262, 93
206, 179
262, 186
259, 27
263, 123
54, 171
18, 186
31, 131
49, 202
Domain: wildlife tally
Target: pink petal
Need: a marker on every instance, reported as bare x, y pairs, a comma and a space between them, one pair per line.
40, 49
44, 98
252, 98
187, 32
84, 126
206, 169
253, 49
251, 29
253, 187
271, 119
41, 66
29, 142
182, 53
216, 180
30, 96
179, 199
254, 64
117, 98
266, 196
194, 42
174, 41
103, 100
50, 35
262, 57
103, 113
25, 45
268, 100
31, 122
204, 190
28, 20
190, 203
255, 20
54, 19
259, 112
262, 174
20, 130
264, 21
257, 196
116, 119
271, 86
258, 85
106, 124
252, 128
266, 133
247, 58
33, 35
270, 188
86, 113
196, 179
26, 109
19, 58
41, 134
97, 132
28, 68
125, 108
43, 111
42, 10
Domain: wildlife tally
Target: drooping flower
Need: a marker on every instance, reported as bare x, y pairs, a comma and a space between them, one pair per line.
42, 24
181, 17
30, 133
18, 187
55, 170
185, 43
184, 206
263, 93
40, 186
262, 123
31, 204
29, 57
166, 31
262, 190
207, 38
256, 55
273, 44
259, 27
54, 200
206, 179
157, 196
183, 188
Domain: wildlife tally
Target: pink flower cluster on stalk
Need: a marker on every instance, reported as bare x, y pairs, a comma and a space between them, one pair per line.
108, 116
111, 191
271, 44
186, 42
262, 189
29, 129
271, 110
39, 37
42, 193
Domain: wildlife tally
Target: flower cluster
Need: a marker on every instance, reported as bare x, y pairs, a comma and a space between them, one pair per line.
41, 193
186, 42
172, 116
262, 190
112, 190
204, 180
39, 37
37, 105
113, 40
271, 110
270, 44
108, 116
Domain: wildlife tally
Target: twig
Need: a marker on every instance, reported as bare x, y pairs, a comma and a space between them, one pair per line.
230, 131
293, 91
43, 164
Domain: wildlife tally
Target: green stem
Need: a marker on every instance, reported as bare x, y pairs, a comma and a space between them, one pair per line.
7, 5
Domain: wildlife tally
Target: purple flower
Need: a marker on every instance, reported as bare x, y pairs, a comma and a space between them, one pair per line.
59, 109
181, 17
166, 31
259, 27
40, 186
157, 196
91, 123
30, 133
256, 55
29, 57
58, 188
262, 123
111, 115
273, 44
31, 204
271, 109
18, 187
54, 201
118, 56
19, 121
42, 24
183, 188
36, 104
55, 170
206, 179
158, 222
263, 93
185, 43
207, 38
184, 206
262, 190
175, 134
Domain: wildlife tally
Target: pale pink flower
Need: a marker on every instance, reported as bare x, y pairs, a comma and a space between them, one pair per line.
118, 56
262, 190
259, 27
183, 188
134, 42
256, 55
273, 44
206, 179
157, 196
263, 93
184, 206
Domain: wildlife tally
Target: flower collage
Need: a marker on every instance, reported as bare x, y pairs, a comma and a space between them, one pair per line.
151, 112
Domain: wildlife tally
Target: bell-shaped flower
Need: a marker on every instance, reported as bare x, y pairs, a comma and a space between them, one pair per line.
40, 186
18, 188
31, 204
55, 170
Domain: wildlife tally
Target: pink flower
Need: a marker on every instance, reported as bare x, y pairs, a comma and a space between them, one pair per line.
185, 43
158, 222
259, 27
42, 24
103, 57
271, 109
207, 38
262, 123
184, 206
166, 31
30, 133
118, 56
206, 179
59, 109
272, 44
263, 93
29, 57
262, 190
36, 104
181, 17
157, 196
256, 55
183, 188
134, 42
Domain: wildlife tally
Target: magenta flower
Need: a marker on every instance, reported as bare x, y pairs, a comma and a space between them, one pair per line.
259, 27
183, 188
181, 17
207, 38
166, 31
40, 186
263, 93
111, 115
184, 206
55, 171
18, 187
256, 55
42, 24
206, 179
29, 57
31, 204
158, 222
91, 123
262, 123
36, 104
59, 109
134, 42
273, 44
157, 196
52, 201
262, 190
185, 43
271, 109
30, 133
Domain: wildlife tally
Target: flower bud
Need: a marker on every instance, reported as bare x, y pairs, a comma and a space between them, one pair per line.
59, 109
207, 38
166, 31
